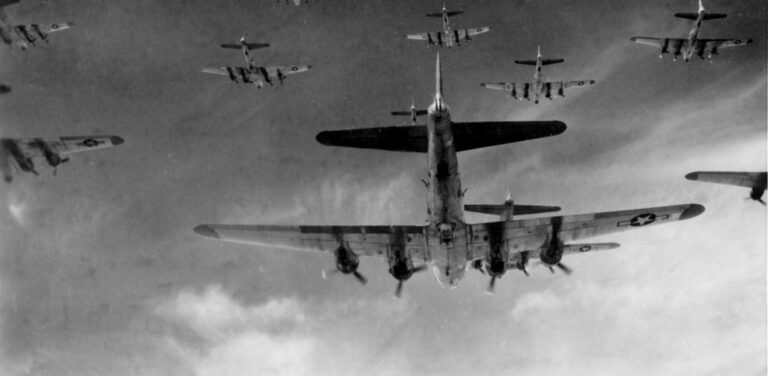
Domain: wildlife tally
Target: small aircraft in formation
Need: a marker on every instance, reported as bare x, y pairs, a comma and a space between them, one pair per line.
447, 244
23, 36
532, 90
251, 73
4, 89
20, 152
448, 37
412, 112
754, 180
693, 44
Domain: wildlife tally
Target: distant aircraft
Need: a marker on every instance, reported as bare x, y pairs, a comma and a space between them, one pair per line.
538, 86
23, 36
4, 89
449, 36
253, 74
694, 44
295, 2
23, 150
413, 113
754, 180
447, 243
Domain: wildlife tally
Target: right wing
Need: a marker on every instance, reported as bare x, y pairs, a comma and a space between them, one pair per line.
580, 83
466, 136
503, 86
362, 240
743, 179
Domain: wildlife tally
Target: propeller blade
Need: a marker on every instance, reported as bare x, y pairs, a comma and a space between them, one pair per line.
360, 277
399, 289
419, 268
491, 286
525, 272
564, 268
760, 200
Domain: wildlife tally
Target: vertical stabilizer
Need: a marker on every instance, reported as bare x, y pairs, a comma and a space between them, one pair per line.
438, 78
701, 6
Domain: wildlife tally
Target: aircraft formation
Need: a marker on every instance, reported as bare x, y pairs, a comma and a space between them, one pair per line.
447, 244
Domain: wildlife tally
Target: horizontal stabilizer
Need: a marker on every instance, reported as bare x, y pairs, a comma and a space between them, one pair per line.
516, 209
543, 61
408, 113
466, 136
449, 13
251, 46
695, 16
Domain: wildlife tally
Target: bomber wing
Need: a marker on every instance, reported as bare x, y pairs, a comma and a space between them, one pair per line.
532, 234
743, 179
362, 240
704, 46
36, 147
280, 72
466, 136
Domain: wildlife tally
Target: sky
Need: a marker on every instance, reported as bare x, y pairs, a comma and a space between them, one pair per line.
101, 273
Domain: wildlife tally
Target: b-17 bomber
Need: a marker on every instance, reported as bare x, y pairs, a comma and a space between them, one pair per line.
754, 180
448, 37
693, 44
25, 35
251, 73
532, 90
20, 152
447, 244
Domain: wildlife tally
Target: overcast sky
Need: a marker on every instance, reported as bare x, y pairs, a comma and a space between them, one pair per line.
100, 272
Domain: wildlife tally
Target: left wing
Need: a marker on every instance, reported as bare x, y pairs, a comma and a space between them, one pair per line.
54, 27
37, 147
362, 240
532, 234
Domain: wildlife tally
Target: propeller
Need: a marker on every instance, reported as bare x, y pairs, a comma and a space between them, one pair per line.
399, 289
559, 265
360, 278
491, 286
760, 200
478, 265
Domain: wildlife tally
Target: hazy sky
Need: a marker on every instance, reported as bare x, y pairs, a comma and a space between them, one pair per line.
100, 272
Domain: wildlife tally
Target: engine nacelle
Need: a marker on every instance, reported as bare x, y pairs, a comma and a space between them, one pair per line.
757, 193
346, 260
53, 158
561, 91
24, 162
495, 266
551, 252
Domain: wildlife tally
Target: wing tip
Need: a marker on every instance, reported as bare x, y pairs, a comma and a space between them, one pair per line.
691, 211
692, 176
207, 231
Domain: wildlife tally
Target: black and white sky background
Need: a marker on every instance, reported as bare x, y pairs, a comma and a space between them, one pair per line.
100, 272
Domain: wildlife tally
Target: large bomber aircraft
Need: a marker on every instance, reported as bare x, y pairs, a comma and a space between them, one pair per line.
23, 150
532, 90
251, 73
754, 180
694, 44
22, 36
448, 37
447, 243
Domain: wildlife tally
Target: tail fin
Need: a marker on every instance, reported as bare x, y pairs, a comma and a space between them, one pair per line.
438, 78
